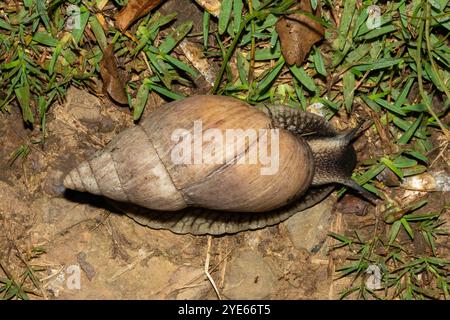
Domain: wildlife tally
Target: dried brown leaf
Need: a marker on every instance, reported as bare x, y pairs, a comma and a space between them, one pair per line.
298, 33
134, 10
114, 80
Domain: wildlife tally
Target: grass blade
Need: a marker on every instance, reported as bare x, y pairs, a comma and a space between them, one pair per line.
319, 64
301, 75
98, 32
205, 27
238, 6
349, 90
404, 139
224, 15
389, 106
175, 37
388, 163
346, 20
381, 64
138, 104
271, 76
165, 92
23, 96
45, 38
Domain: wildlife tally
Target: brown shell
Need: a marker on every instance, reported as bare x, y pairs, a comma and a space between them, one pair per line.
137, 165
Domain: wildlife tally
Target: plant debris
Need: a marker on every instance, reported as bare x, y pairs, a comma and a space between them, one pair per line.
114, 81
299, 32
134, 10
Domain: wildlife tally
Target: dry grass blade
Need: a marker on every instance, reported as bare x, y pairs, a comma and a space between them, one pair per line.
206, 270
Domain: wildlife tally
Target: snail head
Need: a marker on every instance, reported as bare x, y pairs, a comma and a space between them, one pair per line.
335, 160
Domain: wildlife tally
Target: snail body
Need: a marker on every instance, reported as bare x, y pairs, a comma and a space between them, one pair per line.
155, 166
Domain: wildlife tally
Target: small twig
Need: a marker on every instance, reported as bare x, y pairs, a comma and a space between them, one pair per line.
51, 276
102, 221
141, 256
333, 16
76, 224
331, 269
208, 275
222, 273
190, 283
116, 246
146, 62
212, 269
443, 147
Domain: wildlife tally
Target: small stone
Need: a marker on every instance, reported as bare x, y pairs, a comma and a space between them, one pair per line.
389, 178
82, 105
308, 229
353, 205
249, 276
53, 184
86, 266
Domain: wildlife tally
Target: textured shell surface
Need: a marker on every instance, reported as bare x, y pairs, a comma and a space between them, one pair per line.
137, 166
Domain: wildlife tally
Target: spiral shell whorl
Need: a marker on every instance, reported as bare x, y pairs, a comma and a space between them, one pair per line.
76, 180
129, 170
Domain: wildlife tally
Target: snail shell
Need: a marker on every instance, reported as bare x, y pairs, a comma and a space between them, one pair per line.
137, 167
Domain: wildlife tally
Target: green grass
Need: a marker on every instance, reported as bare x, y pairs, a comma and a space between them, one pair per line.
405, 274
39, 59
26, 283
394, 72
9, 289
